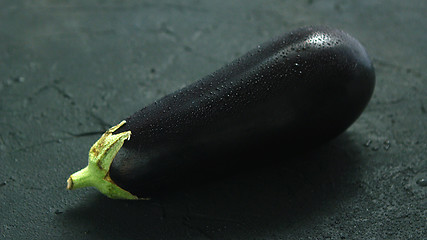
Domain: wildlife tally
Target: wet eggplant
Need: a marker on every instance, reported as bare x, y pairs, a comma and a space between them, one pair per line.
300, 89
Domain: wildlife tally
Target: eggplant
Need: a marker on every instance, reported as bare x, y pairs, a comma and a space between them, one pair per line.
294, 92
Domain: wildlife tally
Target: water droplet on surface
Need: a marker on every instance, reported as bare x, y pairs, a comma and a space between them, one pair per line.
19, 79
367, 143
57, 212
422, 182
386, 145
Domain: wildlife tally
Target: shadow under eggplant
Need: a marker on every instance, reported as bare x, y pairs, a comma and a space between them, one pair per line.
278, 188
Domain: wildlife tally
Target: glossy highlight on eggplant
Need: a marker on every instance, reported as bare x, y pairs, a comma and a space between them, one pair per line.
298, 90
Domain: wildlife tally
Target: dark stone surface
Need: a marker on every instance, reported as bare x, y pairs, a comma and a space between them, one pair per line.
69, 70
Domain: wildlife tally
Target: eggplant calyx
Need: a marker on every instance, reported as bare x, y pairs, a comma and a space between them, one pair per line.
97, 172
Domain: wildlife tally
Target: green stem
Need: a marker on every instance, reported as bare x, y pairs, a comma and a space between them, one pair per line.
96, 174
80, 179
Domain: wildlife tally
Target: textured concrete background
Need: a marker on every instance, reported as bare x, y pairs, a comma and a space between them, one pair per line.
71, 69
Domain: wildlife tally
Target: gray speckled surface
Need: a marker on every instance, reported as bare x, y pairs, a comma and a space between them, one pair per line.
69, 70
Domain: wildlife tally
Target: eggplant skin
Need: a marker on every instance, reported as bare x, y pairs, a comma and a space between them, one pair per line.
298, 90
